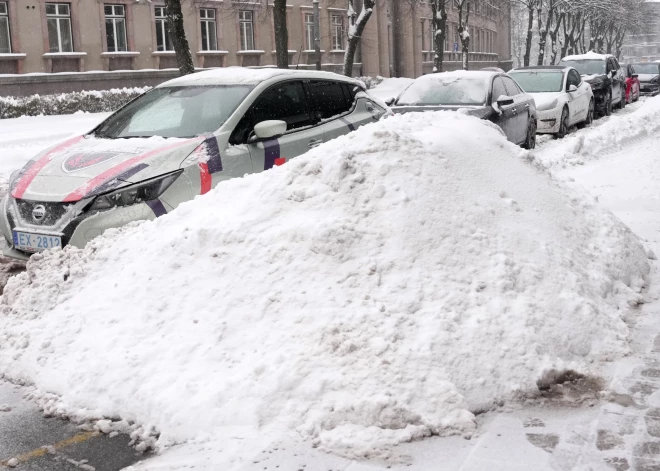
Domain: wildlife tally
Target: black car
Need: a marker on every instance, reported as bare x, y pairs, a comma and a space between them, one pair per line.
606, 77
649, 77
487, 95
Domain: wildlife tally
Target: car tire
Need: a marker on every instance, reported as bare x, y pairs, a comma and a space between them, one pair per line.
590, 116
623, 102
608, 103
636, 96
563, 124
530, 140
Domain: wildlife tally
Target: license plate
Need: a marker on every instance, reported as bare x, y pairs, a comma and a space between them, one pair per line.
31, 242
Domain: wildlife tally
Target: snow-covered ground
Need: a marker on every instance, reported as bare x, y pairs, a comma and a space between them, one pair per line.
385, 287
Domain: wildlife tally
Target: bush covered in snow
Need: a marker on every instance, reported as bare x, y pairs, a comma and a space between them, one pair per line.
371, 82
378, 289
68, 103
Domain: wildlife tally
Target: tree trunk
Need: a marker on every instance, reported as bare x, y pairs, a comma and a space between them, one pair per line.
439, 21
464, 31
178, 36
528, 40
543, 32
281, 34
355, 30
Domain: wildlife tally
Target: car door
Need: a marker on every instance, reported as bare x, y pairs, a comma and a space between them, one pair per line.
284, 101
521, 103
506, 118
618, 79
577, 106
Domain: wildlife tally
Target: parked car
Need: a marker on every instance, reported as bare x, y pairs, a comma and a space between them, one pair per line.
632, 84
492, 96
172, 143
649, 77
606, 77
562, 98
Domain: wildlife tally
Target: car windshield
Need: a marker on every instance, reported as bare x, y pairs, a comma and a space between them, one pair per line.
185, 111
649, 68
539, 82
445, 91
587, 66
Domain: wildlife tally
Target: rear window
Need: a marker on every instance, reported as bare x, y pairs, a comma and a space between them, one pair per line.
587, 66
649, 68
539, 82
445, 90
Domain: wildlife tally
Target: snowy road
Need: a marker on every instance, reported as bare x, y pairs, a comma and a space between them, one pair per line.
572, 429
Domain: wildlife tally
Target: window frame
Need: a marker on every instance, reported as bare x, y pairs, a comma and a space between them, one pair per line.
162, 19
517, 89
58, 17
204, 22
313, 104
115, 18
308, 33
6, 17
242, 34
337, 32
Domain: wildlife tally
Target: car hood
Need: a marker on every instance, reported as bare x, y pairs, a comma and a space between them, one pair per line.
594, 78
85, 166
542, 99
646, 77
478, 111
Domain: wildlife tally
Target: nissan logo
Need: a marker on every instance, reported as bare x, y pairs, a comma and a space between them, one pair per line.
38, 212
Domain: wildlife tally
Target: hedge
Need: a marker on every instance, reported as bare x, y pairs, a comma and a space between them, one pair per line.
68, 103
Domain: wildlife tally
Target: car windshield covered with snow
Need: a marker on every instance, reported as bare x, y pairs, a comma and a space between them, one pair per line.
183, 111
647, 68
445, 90
539, 81
586, 66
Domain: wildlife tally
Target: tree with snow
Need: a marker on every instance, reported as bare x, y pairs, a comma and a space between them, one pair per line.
439, 22
357, 23
464, 30
178, 36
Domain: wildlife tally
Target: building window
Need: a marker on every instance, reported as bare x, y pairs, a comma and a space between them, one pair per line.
337, 22
209, 35
163, 42
309, 31
58, 19
115, 27
5, 38
246, 30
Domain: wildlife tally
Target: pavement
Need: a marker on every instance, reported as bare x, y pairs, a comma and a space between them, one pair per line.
37, 443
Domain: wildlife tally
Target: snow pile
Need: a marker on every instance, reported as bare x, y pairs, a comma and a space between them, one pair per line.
614, 134
390, 88
373, 291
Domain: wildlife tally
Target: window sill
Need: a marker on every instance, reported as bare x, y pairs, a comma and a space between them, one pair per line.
12, 56
255, 52
163, 53
338, 51
312, 51
212, 53
120, 54
66, 55
291, 51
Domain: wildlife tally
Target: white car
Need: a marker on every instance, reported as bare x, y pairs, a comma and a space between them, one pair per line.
562, 98
175, 142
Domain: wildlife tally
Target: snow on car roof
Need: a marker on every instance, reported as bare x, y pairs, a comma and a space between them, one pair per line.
243, 75
485, 74
588, 56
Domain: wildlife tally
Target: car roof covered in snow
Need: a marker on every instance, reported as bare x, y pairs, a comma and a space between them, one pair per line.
588, 56
543, 67
243, 75
474, 74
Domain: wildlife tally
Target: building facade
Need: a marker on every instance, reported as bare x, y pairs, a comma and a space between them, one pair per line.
644, 46
45, 36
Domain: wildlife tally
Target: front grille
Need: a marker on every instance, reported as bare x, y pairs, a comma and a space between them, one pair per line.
53, 212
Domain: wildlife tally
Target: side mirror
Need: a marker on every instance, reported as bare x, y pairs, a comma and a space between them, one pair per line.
572, 88
269, 129
635, 75
504, 100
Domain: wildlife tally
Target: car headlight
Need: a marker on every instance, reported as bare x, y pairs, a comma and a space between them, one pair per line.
144, 191
547, 106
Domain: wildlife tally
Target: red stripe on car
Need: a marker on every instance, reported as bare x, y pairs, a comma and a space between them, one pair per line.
98, 180
280, 161
205, 178
26, 179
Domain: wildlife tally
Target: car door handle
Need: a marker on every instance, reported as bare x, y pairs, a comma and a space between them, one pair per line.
315, 143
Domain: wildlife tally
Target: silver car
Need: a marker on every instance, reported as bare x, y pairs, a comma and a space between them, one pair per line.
173, 143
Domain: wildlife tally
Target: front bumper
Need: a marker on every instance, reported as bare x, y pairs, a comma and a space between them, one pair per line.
548, 121
75, 226
649, 89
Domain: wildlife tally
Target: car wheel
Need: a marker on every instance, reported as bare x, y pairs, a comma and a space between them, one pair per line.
530, 141
590, 116
637, 95
563, 124
608, 103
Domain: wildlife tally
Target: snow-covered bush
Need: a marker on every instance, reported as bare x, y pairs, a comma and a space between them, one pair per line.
68, 103
371, 82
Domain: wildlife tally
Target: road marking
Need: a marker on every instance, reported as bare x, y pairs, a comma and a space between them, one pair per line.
39, 452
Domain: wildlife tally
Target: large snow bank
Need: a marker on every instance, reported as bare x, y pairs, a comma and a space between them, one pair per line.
375, 290
615, 133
